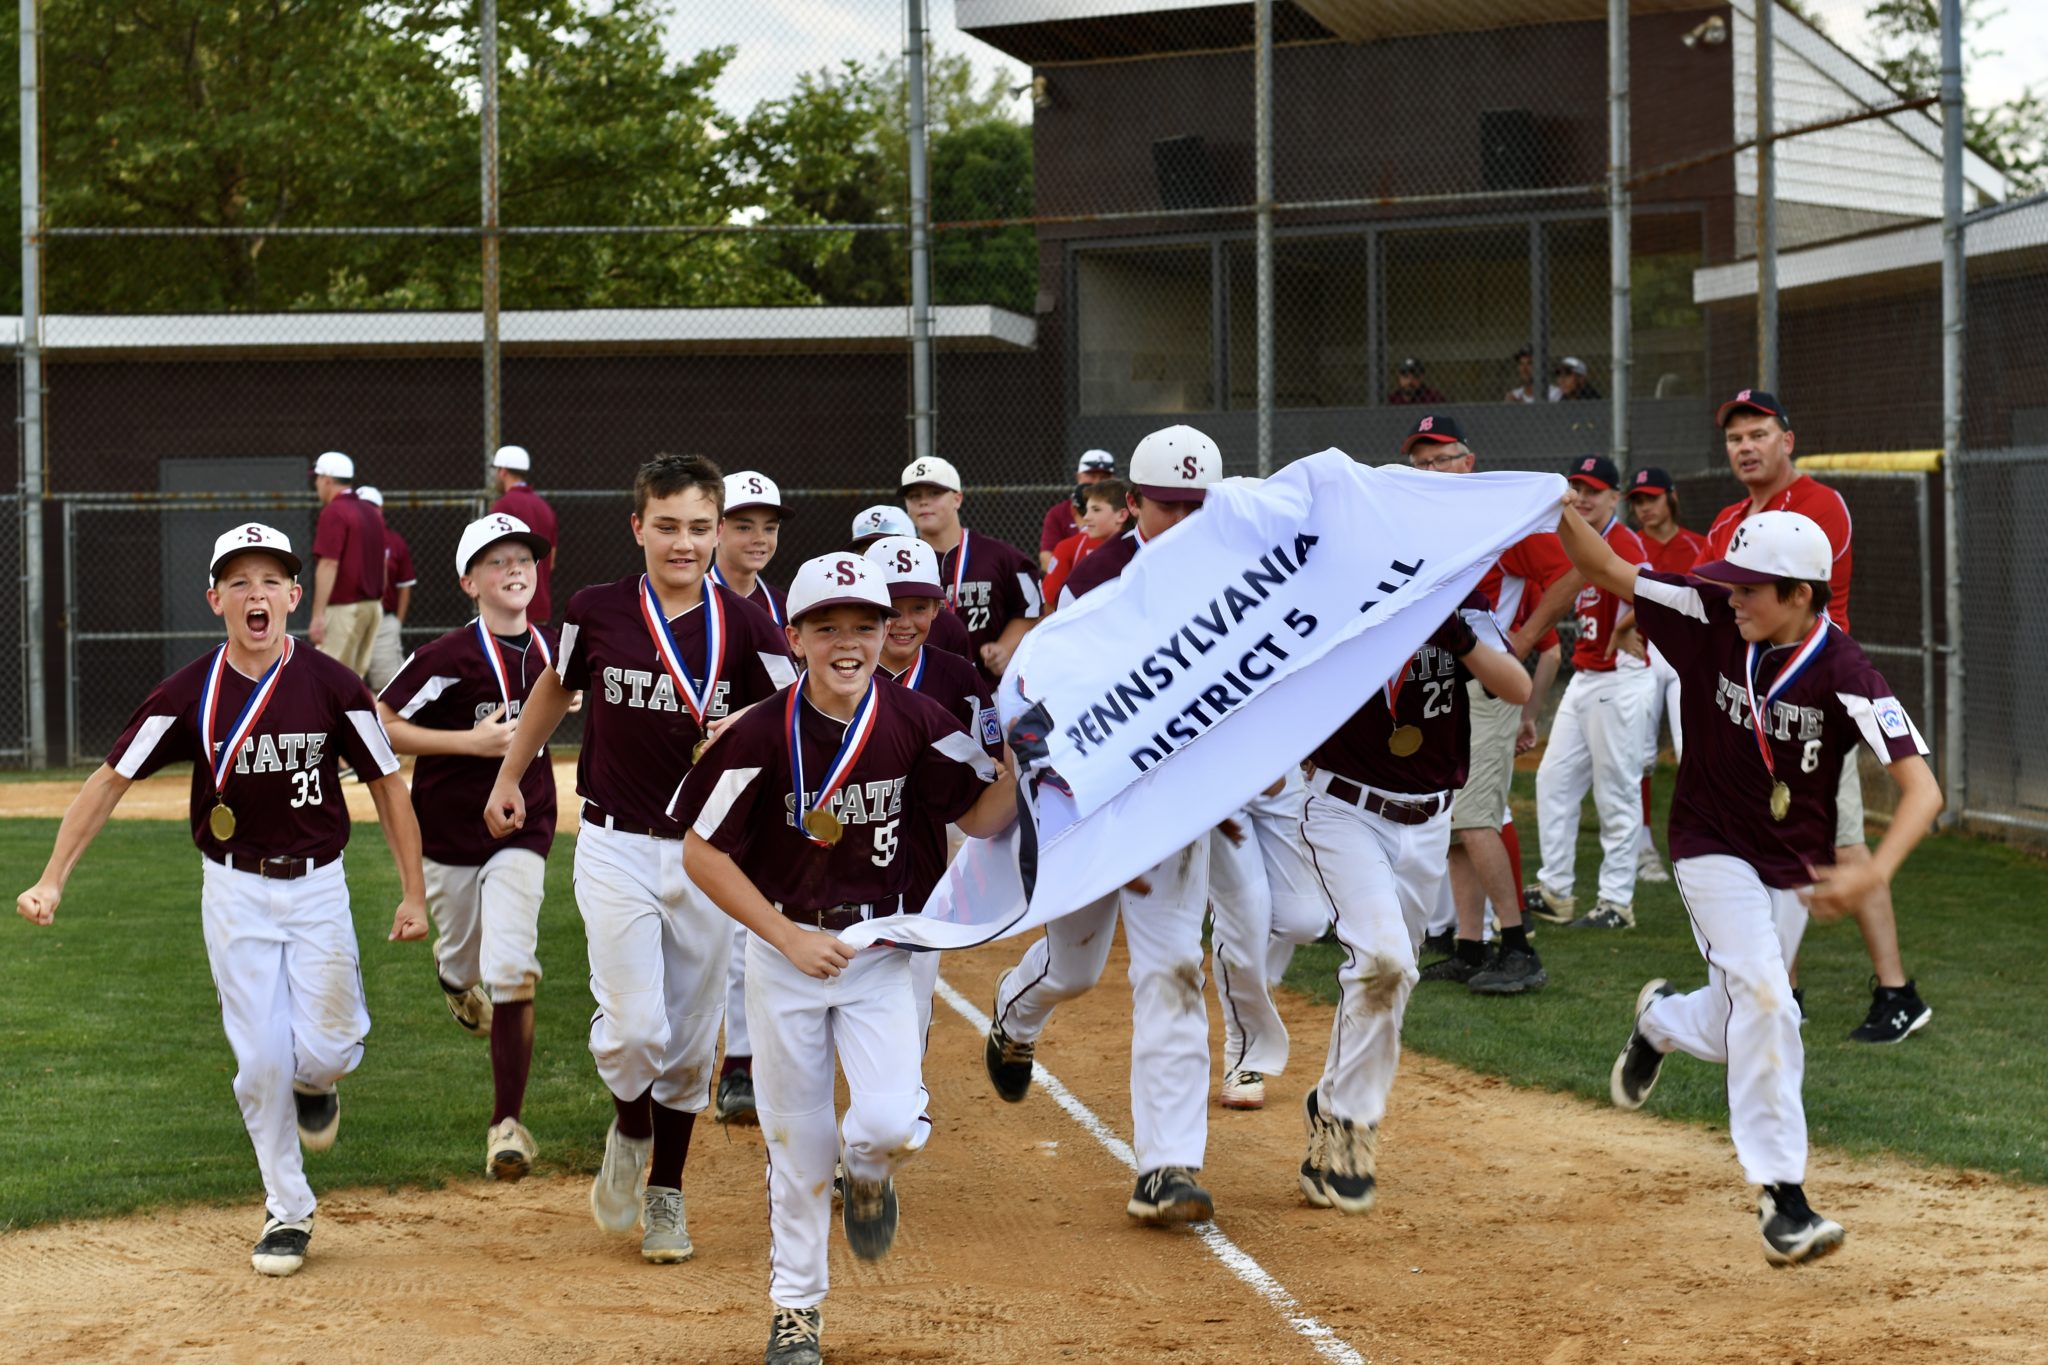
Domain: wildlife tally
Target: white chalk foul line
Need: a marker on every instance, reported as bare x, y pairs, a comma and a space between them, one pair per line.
1235, 1259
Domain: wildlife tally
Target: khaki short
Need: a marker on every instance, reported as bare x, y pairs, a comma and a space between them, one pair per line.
351, 632
387, 654
1490, 768
1849, 802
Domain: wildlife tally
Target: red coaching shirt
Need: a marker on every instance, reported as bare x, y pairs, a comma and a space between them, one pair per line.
1431, 698
449, 684
530, 507
1722, 804
1811, 498
398, 572
1678, 554
637, 733
285, 786
351, 533
1597, 609
1525, 570
993, 587
918, 768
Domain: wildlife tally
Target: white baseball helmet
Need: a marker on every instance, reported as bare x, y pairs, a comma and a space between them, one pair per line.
908, 566
842, 578
750, 488
252, 538
932, 470
486, 531
1176, 464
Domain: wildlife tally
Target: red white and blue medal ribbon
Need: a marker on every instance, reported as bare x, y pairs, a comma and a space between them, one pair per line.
496, 659
1759, 715
696, 703
959, 569
221, 760
819, 825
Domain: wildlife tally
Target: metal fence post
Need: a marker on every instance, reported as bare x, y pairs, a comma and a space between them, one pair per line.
1619, 243
1954, 280
1766, 203
487, 61
920, 227
1262, 135
70, 548
33, 597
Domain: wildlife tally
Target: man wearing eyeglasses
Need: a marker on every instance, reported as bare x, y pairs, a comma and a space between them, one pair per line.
1481, 869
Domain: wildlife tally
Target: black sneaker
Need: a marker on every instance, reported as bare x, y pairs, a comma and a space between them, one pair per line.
1515, 971
1895, 1012
1008, 1061
793, 1337
1170, 1195
736, 1099
1438, 945
282, 1248
1794, 1233
319, 1118
870, 1217
1605, 915
1457, 970
1799, 1002
1635, 1070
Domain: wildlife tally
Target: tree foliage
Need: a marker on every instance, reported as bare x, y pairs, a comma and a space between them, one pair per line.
2011, 134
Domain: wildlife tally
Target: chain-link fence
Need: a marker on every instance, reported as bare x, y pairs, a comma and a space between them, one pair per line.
2003, 497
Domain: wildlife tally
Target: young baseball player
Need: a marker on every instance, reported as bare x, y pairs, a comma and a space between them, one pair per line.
455, 703
1653, 504
664, 656
801, 821
1162, 912
1377, 825
1105, 515
947, 632
1596, 737
1776, 698
746, 543
265, 723
992, 586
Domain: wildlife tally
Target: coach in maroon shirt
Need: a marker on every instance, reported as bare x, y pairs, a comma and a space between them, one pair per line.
348, 571
516, 498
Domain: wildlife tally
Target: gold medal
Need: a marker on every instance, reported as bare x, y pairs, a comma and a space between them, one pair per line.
221, 821
1405, 740
1781, 800
697, 754
823, 826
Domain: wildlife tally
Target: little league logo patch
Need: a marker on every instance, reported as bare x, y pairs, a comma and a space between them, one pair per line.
1891, 717
991, 726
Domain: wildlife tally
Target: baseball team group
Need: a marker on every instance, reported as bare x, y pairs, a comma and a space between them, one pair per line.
762, 768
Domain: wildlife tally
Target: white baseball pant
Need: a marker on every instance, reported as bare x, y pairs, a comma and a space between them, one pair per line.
1744, 1017
736, 1041
866, 1015
1265, 903
1595, 743
1169, 1017
285, 966
1381, 880
924, 979
488, 919
659, 952
1663, 703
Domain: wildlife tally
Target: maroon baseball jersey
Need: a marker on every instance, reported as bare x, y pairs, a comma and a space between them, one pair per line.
1597, 609
919, 767
1678, 554
1722, 804
949, 633
958, 686
530, 507
398, 570
351, 533
285, 786
997, 586
773, 601
637, 733
1101, 566
1060, 522
1431, 700
450, 685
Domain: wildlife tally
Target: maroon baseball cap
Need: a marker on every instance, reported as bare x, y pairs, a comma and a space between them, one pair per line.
1650, 479
1597, 470
1754, 400
1433, 427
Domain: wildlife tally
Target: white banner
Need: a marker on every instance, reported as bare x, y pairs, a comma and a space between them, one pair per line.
1230, 648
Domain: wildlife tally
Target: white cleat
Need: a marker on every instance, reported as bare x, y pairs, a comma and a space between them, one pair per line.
615, 1194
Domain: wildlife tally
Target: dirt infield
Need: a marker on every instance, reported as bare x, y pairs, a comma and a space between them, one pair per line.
1512, 1226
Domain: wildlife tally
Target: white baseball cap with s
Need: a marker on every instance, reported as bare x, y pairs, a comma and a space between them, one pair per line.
932, 470
750, 488
908, 566
883, 519
1771, 546
1176, 464
513, 458
1097, 459
335, 465
486, 531
839, 579
252, 538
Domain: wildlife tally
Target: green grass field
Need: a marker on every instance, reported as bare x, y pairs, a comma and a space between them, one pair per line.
115, 1077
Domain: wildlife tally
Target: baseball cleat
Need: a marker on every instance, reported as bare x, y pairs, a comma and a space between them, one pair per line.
1318, 1151
1606, 915
282, 1248
667, 1236
1514, 972
1457, 970
736, 1099
1437, 945
793, 1337
470, 1008
1243, 1090
508, 1151
1635, 1070
870, 1216
1350, 1152
1649, 867
1794, 1233
1896, 1012
1008, 1061
1170, 1195
1545, 904
615, 1194
319, 1117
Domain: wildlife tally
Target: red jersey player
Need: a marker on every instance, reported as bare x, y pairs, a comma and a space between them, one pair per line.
266, 725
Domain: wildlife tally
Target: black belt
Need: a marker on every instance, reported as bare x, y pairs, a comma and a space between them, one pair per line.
842, 916
277, 869
594, 814
1417, 810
